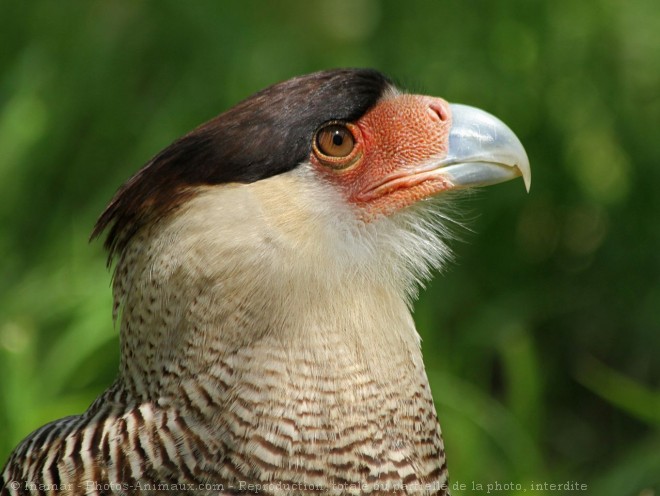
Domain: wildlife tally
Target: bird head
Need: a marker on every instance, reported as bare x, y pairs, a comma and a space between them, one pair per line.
326, 178
382, 149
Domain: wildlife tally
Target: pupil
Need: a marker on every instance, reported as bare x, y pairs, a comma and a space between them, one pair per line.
337, 139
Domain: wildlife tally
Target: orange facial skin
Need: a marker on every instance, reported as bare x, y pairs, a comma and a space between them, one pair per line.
389, 168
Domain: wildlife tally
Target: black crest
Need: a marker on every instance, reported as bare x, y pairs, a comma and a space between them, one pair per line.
267, 134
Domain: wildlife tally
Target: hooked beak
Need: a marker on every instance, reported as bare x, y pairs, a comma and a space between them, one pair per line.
482, 151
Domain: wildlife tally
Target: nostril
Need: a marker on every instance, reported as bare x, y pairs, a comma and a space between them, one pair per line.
438, 111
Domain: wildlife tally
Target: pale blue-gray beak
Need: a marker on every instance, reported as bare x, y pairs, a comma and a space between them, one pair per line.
482, 151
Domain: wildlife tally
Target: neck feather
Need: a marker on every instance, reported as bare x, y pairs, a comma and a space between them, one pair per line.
290, 272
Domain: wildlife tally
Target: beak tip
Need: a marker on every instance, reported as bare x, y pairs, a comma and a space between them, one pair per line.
525, 173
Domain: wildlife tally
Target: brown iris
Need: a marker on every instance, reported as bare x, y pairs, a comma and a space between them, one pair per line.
334, 140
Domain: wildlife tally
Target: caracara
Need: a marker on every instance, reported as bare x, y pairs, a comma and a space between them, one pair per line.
265, 265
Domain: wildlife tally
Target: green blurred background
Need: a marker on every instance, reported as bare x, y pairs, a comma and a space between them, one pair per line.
542, 340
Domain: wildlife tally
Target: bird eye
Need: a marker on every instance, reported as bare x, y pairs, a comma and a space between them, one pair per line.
335, 140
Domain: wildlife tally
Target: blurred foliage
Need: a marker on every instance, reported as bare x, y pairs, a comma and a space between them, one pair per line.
542, 341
